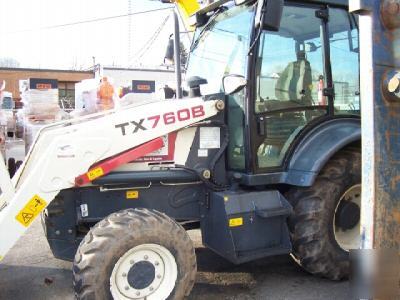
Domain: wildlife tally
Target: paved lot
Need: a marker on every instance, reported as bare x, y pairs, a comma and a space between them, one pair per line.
29, 271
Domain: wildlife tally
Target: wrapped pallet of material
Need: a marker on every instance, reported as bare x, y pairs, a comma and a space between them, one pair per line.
41, 106
95, 95
40, 99
31, 131
3, 132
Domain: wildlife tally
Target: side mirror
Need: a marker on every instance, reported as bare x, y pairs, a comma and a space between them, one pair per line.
269, 14
233, 83
310, 47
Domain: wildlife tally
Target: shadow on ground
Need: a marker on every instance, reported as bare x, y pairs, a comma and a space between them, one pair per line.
29, 271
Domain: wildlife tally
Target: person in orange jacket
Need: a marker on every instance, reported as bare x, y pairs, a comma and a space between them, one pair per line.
105, 95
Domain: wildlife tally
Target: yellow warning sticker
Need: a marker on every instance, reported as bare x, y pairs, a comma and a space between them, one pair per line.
132, 194
1, 258
31, 210
235, 222
95, 173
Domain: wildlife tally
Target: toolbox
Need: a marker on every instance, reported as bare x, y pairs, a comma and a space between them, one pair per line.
244, 226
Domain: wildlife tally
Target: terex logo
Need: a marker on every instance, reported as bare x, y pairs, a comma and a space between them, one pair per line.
166, 119
138, 126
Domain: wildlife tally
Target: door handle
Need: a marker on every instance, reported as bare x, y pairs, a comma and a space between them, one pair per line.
261, 126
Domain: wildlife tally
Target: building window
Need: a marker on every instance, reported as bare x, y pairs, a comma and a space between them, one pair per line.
66, 94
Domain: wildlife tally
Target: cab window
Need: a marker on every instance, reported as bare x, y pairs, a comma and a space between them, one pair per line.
289, 72
345, 61
291, 78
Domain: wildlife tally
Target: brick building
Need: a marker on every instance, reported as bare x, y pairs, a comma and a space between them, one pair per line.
66, 79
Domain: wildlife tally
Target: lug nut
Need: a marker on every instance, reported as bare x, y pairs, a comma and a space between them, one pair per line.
132, 262
159, 276
206, 174
137, 293
146, 257
123, 274
156, 263
127, 288
394, 84
151, 289
220, 105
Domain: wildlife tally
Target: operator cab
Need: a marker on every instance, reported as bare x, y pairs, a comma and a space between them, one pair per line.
294, 78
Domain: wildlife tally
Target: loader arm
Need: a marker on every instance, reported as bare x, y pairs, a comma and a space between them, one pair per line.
64, 151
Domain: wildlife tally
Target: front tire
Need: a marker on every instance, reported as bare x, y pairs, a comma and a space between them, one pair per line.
316, 246
135, 254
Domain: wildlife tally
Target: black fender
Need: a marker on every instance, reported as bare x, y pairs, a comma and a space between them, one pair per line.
318, 146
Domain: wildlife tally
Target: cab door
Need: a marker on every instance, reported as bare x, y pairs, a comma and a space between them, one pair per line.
291, 82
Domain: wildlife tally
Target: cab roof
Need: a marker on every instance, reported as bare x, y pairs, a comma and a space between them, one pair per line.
329, 2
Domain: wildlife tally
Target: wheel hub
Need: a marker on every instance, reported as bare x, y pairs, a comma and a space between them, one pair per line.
141, 275
147, 271
347, 215
346, 223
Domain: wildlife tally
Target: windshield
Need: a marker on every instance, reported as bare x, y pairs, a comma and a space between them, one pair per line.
221, 47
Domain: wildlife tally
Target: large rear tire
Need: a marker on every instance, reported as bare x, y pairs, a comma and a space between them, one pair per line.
135, 254
333, 198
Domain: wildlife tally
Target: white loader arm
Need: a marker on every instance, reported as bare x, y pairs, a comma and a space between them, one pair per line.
64, 151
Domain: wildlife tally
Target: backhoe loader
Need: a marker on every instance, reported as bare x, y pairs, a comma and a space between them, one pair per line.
264, 158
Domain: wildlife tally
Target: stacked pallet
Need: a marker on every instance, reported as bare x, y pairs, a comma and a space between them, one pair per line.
41, 105
40, 100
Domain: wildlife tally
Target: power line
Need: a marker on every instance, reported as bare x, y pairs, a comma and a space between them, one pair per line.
90, 21
151, 41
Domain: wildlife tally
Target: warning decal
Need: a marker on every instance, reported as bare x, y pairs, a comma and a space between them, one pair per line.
235, 222
132, 194
31, 210
95, 173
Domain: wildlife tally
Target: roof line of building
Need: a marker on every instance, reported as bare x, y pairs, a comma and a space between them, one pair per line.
84, 72
44, 70
138, 69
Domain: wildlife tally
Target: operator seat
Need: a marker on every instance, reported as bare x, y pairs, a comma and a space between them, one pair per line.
295, 82
293, 89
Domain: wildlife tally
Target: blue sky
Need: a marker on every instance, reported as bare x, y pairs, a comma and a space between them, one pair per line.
74, 46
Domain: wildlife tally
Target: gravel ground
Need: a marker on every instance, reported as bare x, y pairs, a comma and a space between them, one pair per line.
30, 271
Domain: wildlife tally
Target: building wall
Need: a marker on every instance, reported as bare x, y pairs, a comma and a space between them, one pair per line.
12, 77
123, 77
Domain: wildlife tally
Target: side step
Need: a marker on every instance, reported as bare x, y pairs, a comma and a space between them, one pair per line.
243, 226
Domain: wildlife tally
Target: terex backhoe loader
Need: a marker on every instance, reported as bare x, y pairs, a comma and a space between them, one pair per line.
265, 161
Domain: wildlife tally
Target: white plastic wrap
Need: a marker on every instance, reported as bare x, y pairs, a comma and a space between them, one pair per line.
15, 148
31, 130
88, 98
41, 104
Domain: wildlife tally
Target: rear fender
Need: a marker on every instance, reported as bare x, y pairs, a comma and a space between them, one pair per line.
318, 146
